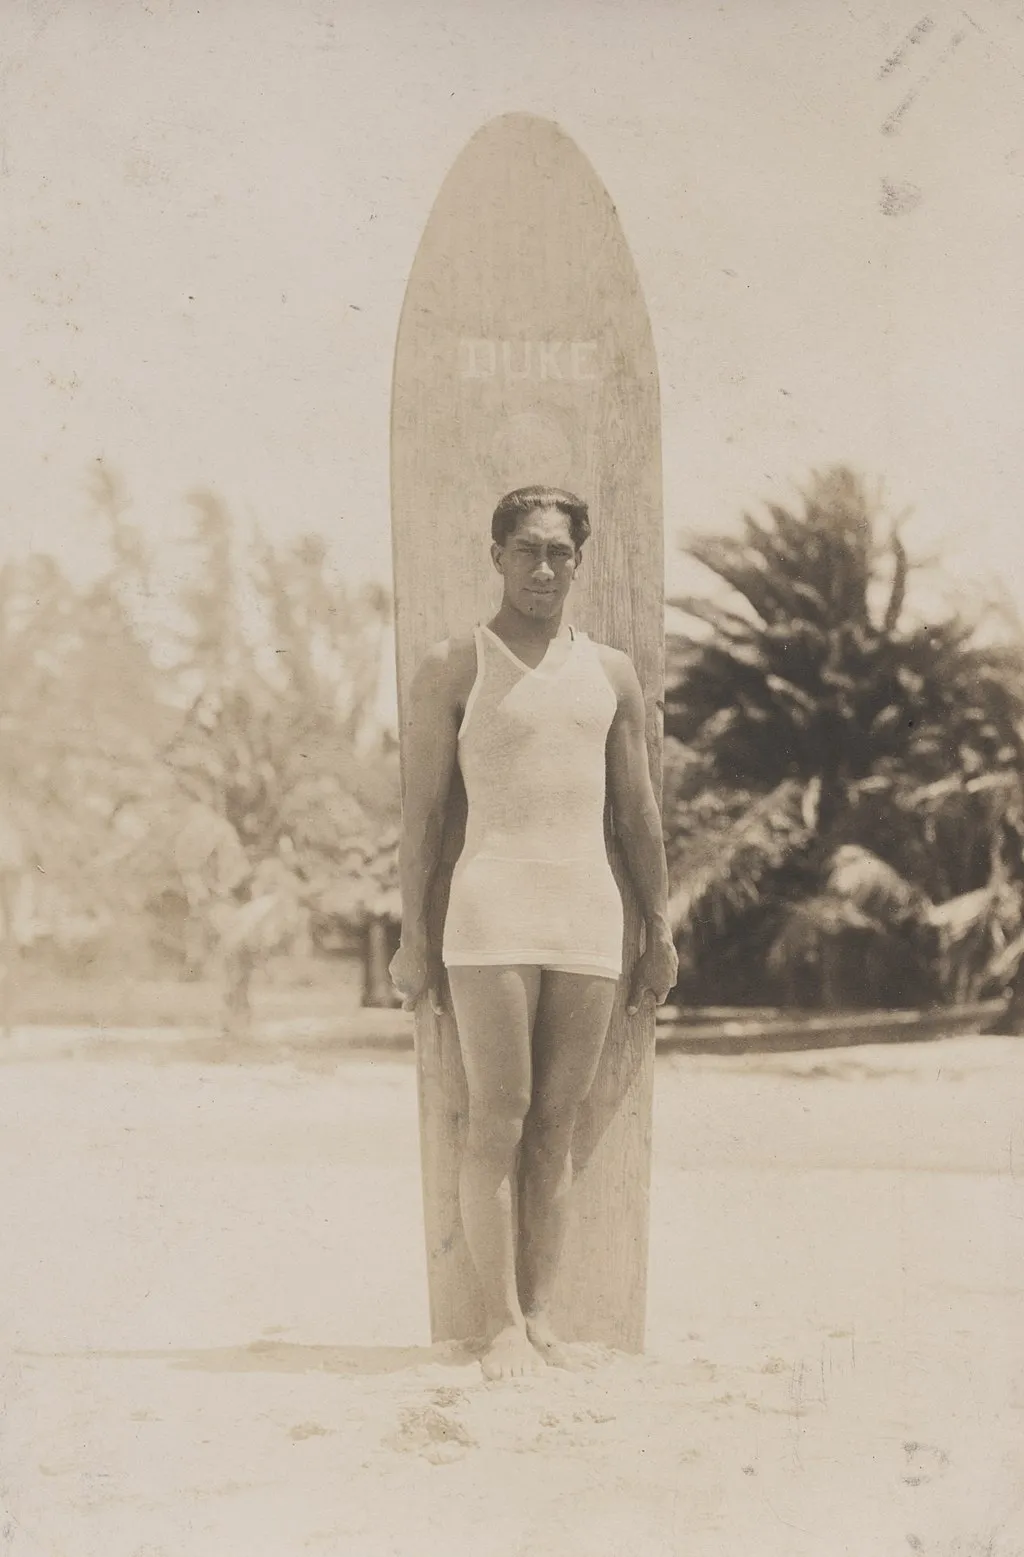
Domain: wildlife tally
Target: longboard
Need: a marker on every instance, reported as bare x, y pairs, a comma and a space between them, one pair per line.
525, 355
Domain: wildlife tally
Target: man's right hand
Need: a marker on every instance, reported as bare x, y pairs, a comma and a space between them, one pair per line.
415, 973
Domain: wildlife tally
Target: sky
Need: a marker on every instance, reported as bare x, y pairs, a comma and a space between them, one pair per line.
209, 212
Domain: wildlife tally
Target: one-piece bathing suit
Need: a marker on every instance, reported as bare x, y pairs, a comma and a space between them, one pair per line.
533, 883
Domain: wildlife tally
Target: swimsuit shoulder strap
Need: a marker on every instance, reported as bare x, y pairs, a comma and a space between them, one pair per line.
478, 680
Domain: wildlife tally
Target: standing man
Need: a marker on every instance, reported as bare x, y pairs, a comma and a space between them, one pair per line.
539, 720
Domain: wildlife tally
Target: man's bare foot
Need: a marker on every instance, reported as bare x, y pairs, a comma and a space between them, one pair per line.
510, 1356
556, 1353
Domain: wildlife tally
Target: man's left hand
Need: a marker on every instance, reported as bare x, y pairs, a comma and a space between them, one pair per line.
655, 974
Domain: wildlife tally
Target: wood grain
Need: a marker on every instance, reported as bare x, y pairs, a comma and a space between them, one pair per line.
525, 354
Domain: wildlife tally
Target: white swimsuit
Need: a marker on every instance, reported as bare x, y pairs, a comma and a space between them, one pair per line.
533, 883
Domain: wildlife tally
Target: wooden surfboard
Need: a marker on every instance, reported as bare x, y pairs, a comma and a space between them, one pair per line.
525, 355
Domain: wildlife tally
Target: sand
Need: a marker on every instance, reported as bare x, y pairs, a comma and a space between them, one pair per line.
214, 1333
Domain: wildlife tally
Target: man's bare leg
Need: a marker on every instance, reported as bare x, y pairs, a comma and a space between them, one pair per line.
494, 1013
573, 1013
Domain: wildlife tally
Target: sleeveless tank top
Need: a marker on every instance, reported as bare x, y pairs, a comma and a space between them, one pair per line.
533, 883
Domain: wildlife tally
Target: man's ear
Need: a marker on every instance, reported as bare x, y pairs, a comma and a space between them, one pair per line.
496, 555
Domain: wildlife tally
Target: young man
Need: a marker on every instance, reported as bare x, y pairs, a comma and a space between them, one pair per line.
537, 717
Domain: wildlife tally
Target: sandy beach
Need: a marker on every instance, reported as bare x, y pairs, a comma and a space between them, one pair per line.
214, 1320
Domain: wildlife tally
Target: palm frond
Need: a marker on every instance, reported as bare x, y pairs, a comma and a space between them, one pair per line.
962, 916
808, 926
1005, 963
857, 876
723, 874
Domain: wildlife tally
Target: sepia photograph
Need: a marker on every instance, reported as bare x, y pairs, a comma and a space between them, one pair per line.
512, 788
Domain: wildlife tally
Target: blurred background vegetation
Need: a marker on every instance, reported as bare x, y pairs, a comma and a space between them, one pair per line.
216, 803
210, 813
844, 808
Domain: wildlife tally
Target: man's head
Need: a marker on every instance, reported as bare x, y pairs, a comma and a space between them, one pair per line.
537, 536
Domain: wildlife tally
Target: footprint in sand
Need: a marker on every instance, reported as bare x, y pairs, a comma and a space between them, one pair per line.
703, 1371
303, 1430
446, 1395
924, 1463
433, 1434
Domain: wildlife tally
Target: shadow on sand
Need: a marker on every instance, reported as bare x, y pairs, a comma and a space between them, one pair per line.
286, 1357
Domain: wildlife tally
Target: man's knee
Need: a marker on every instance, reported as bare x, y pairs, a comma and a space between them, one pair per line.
550, 1125
496, 1123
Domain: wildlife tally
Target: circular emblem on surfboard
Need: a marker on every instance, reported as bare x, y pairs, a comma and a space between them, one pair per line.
530, 447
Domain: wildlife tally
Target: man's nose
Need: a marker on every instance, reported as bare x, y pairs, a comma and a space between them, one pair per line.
544, 569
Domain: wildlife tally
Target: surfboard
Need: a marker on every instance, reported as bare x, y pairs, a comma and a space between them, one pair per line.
525, 355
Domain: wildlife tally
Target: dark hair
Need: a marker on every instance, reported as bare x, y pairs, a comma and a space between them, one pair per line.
514, 505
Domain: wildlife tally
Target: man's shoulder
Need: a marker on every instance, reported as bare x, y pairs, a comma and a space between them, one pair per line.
447, 666
618, 667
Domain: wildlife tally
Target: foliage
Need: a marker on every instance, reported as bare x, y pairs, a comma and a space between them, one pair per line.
79, 726
282, 785
221, 763
848, 773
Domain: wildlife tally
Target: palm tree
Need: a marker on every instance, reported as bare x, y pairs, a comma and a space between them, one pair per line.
79, 725
278, 766
818, 726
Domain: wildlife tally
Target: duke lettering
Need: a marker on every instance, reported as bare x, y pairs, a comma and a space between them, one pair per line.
572, 361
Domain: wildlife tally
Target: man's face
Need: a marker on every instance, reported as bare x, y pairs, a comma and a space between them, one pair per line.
537, 562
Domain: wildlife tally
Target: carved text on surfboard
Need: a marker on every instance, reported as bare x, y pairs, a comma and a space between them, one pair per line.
572, 361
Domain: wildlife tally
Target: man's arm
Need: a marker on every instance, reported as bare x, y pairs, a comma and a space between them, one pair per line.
429, 742
637, 822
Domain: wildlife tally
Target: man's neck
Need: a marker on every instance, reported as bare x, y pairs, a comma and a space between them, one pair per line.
516, 627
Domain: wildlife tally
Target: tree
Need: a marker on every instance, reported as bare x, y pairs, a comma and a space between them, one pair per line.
79, 724
363, 900
277, 763
231, 763
814, 716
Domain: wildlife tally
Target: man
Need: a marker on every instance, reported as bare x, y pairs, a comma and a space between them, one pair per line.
538, 719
